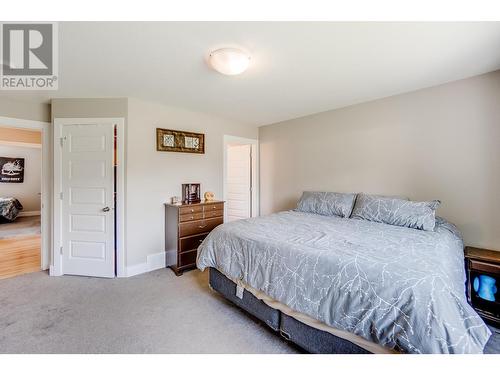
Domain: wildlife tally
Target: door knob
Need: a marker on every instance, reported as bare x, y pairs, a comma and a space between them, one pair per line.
105, 209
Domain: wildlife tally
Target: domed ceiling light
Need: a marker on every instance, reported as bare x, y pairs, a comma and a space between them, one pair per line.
229, 61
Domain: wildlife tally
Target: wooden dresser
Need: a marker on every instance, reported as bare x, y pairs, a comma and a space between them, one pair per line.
186, 226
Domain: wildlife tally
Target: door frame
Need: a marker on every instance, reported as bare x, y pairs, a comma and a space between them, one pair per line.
255, 186
46, 183
57, 268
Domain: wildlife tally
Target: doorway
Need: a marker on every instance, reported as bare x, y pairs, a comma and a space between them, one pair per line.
88, 197
241, 178
24, 225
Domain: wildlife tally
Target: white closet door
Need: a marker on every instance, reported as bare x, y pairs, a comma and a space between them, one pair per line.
88, 200
239, 172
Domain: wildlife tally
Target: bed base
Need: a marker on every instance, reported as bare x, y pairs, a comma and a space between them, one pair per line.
308, 338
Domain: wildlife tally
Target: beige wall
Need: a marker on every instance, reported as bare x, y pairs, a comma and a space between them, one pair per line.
23, 136
21, 143
28, 192
24, 110
153, 177
89, 107
437, 143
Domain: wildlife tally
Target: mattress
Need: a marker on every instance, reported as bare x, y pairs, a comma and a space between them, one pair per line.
359, 341
400, 288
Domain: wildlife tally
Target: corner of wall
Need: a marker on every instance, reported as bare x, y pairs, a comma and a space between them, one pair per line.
153, 262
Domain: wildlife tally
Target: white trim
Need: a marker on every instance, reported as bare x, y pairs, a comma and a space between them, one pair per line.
153, 262
29, 213
46, 188
56, 265
56, 268
229, 139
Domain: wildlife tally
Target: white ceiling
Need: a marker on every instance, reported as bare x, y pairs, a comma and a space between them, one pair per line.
297, 68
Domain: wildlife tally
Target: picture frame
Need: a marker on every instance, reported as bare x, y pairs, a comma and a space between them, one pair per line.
11, 170
179, 141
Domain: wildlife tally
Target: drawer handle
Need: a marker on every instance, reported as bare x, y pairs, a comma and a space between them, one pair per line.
201, 226
200, 241
192, 217
192, 209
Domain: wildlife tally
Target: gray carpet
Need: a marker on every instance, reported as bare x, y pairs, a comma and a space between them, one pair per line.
151, 313
493, 345
22, 226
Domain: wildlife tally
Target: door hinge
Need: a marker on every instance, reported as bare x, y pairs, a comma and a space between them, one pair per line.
61, 195
61, 140
61, 250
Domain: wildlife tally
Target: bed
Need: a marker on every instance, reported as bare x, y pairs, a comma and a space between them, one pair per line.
9, 209
382, 288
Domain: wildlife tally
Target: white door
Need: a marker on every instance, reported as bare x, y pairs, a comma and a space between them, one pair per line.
239, 182
87, 182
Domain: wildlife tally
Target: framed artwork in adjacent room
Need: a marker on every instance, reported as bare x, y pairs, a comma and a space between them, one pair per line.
180, 141
11, 170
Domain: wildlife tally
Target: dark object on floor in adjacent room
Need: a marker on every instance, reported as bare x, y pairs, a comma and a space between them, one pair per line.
9, 209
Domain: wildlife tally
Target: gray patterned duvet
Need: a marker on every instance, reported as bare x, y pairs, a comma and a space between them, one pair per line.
399, 287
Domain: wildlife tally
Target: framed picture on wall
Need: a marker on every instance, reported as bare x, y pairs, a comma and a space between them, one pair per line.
11, 170
180, 141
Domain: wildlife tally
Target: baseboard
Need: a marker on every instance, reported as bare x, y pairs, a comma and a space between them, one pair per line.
171, 257
156, 261
29, 213
53, 271
153, 262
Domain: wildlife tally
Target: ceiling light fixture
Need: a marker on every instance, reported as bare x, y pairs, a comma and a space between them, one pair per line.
229, 61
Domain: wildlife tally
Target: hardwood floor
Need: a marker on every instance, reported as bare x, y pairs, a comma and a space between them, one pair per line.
19, 255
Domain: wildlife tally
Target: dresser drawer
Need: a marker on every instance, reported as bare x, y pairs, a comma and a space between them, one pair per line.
191, 217
187, 259
196, 227
213, 207
190, 209
191, 243
217, 213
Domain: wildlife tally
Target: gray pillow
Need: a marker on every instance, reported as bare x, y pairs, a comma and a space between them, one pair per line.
326, 203
391, 196
395, 211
